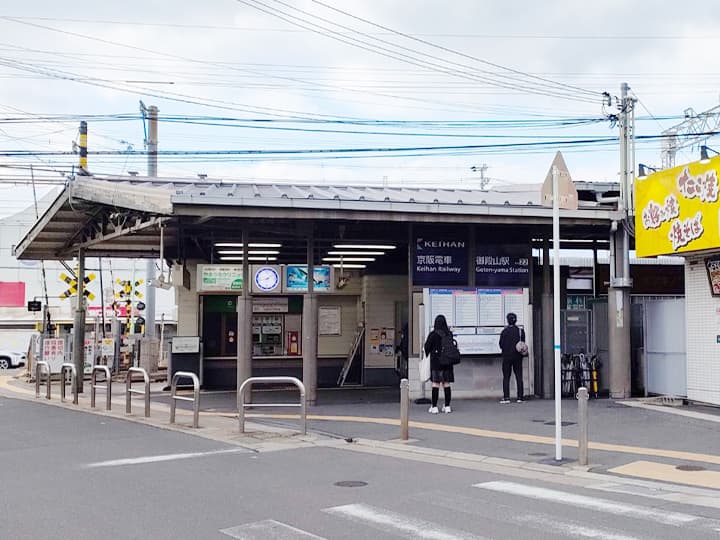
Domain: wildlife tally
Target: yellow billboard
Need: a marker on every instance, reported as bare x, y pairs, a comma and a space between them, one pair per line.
676, 210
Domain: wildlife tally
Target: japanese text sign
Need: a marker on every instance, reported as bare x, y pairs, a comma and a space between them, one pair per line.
677, 210
440, 260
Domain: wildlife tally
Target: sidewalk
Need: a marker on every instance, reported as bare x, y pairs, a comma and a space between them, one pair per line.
631, 438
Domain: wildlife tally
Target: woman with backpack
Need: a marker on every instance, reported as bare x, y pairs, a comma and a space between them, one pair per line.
443, 352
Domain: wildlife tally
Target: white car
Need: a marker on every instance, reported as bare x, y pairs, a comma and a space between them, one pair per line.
11, 359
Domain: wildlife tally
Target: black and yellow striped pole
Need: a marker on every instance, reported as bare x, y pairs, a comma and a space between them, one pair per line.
83, 148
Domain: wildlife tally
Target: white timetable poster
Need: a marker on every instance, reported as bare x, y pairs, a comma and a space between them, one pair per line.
476, 316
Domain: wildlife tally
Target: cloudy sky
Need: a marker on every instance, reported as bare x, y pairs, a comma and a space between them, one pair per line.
402, 88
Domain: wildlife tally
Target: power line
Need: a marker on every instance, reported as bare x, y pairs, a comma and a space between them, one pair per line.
447, 49
384, 51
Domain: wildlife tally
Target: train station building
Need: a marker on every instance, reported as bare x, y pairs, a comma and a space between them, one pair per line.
322, 281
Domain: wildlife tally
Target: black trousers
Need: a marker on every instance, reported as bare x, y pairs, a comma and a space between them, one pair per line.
508, 366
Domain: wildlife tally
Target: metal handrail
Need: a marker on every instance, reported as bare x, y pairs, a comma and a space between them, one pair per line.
38, 365
107, 386
272, 380
129, 390
73, 381
195, 399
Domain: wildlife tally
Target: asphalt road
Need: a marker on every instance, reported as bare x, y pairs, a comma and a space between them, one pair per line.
69, 474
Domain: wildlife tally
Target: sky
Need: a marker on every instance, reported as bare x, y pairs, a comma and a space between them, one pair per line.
412, 93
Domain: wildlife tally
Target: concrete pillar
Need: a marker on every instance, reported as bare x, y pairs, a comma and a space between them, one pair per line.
619, 317
548, 354
309, 329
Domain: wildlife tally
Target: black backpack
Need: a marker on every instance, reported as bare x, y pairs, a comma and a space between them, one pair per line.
449, 352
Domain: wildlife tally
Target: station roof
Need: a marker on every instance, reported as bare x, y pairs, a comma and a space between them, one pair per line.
121, 216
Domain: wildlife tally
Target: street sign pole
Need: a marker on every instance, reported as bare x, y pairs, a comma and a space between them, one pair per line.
556, 311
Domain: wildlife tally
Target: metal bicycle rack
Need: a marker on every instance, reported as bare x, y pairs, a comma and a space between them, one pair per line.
73, 381
195, 399
129, 391
107, 386
272, 380
38, 365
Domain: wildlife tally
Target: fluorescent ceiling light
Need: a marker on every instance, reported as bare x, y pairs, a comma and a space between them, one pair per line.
349, 259
358, 253
230, 252
360, 246
263, 252
261, 259
239, 245
349, 266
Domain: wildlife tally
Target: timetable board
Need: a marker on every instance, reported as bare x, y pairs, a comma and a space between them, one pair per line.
476, 316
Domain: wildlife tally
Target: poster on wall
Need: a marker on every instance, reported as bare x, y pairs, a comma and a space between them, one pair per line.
330, 320
442, 304
502, 265
89, 356
440, 260
54, 353
219, 277
712, 265
296, 278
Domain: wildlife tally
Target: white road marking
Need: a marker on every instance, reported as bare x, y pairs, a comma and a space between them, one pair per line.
165, 457
568, 528
268, 529
404, 526
590, 503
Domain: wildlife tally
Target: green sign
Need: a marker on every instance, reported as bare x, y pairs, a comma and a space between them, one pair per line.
219, 277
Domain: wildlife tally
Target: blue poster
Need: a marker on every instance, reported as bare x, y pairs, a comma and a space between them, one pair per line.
502, 265
296, 278
440, 259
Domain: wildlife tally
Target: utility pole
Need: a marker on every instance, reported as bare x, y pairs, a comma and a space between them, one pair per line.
620, 281
79, 323
152, 165
83, 150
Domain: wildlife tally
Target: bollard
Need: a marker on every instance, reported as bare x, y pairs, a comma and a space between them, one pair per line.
582, 397
404, 408
107, 386
64, 369
40, 364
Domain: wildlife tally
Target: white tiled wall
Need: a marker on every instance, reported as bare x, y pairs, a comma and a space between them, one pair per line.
703, 326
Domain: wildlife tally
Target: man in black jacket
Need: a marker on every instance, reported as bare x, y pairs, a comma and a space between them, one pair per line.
512, 359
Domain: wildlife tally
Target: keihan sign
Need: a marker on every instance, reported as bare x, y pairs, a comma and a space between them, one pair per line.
440, 261
676, 210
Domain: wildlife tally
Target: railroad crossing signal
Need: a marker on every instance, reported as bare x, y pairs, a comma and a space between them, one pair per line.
73, 286
128, 291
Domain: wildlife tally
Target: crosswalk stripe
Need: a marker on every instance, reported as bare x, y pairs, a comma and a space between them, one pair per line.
268, 529
590, 503
568, 528
404, 526
165, 457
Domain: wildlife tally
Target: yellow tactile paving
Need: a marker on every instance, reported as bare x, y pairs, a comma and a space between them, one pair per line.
518, 437
668, 473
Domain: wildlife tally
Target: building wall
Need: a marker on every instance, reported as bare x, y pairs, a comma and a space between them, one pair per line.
339, 346
188, 304
380, 294
702, 322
